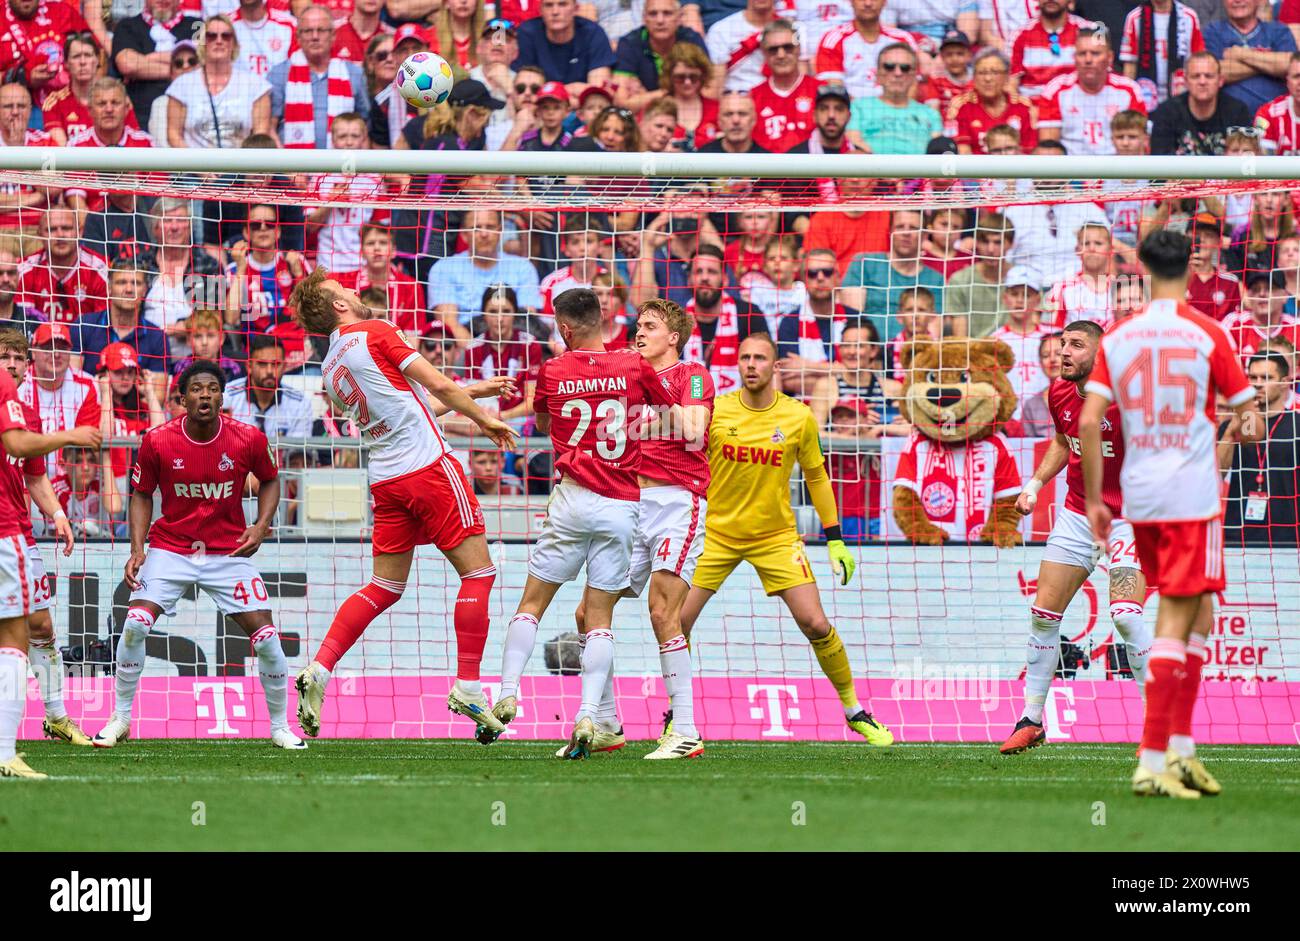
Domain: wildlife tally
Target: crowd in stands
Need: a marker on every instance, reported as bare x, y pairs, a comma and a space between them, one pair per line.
117, 293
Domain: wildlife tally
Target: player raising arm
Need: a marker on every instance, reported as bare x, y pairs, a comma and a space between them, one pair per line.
1070, 554
201, 462
756, 437
674, 480
419, 488
30, 474
20, 445
1164, 368
583, 400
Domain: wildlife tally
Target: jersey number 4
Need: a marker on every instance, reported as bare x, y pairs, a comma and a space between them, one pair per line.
1143, 397
612, 413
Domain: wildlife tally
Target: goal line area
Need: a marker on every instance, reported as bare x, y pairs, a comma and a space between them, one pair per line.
853, 265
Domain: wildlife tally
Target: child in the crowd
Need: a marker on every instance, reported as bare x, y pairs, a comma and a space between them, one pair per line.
206, 335
593, 100
93, 501
748, 252
1128, 132
1240, 142
917, 317
777, 291
1020, 330
955, 78
618, 329
1086, 296
946, 247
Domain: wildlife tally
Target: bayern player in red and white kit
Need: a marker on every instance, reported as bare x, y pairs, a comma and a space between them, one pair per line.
200, 462
29, 476
584, 400
848, 52
1071, 555
418, 487
17, 604
1165, 368
674, 479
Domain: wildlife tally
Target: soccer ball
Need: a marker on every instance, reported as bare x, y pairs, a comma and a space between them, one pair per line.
425, 79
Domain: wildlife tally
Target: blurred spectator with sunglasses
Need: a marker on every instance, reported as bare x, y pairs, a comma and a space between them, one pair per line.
354, 35
1253, 53
786, 97
263, 37
261, 275
1198, 120
807, 340
185, 58
389, 111
142, 49
894, 122
734, 43
219, 104
1045, 49
507, 126
67, 110
379, 64
568, 48
682, 78
643, 54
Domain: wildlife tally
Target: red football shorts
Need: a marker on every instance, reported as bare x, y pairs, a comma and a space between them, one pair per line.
1181, 559
430, 506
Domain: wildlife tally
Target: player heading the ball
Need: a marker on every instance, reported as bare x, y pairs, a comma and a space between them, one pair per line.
201, 462
419, 489
584, 399
1165, 368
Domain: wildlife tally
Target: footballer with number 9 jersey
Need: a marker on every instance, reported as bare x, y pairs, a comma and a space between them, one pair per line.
419, 489
669, 539
1071, 553
200, 462
1164, 369
584, 399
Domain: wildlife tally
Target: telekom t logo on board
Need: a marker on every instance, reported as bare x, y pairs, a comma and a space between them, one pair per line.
220, 713
770, 707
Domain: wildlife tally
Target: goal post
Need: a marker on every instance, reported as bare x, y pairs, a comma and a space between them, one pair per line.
935, 634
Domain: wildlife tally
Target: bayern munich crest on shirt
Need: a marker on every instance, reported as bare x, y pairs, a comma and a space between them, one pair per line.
803, 105
939, 500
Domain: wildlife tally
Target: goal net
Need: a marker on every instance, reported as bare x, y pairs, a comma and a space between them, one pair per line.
842, 260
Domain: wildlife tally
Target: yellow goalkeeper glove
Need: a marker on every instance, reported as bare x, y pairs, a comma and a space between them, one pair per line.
841, 560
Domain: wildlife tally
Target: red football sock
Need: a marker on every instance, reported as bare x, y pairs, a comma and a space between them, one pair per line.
354, 616
471, 621
1189, 688
1165, 672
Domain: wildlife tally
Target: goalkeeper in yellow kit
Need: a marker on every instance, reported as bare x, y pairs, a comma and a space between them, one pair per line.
756, 435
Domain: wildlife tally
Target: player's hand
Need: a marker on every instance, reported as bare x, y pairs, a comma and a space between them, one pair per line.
1099, 518
502, 435
251, 540
1026, 502
85, 436
497, 385
132, 572
63, 532
841, 560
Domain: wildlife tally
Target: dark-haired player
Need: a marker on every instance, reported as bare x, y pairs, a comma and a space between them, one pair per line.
1071, 554
1165, 368
200, 461
584, 399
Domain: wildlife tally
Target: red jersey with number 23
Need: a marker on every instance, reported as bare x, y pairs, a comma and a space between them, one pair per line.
1064, 402
589, 395
202, 484
669, 456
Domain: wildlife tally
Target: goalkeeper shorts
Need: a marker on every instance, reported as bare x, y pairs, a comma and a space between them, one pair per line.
780, 561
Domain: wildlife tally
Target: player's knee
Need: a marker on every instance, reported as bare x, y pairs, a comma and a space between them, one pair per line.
663, 620
580, 617
814, 626
138, 624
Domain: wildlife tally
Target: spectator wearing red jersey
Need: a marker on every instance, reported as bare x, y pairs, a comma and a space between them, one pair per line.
405, 294
142, 48
219, 104
786, 99
1278, 119
1077, 107
261, 275
505, 349
1262, 316
1159, 35
734, 43
14, 315
353, 35
643, 53
952, 75
989, 104
946, 236
129, 402
62, 396
263, 37
63, 280
1210, 290
455, 32
850, 232
745, 254
67, 110
1045, 48
109, 107
32, 41
848, 52
21, 205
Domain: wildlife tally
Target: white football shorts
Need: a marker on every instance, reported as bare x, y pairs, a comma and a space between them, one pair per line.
584, 528
234, 584
670, 537
1071, 543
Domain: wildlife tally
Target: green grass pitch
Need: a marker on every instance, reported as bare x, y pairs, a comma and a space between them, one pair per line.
436, 795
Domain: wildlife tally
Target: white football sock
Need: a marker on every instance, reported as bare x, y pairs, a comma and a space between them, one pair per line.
675, 665
470, 687
48, 667
1042, 655
520, 637
130, 659
1152, 759
1127, 618
13, 698
597, 661
273, 671
607, 712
